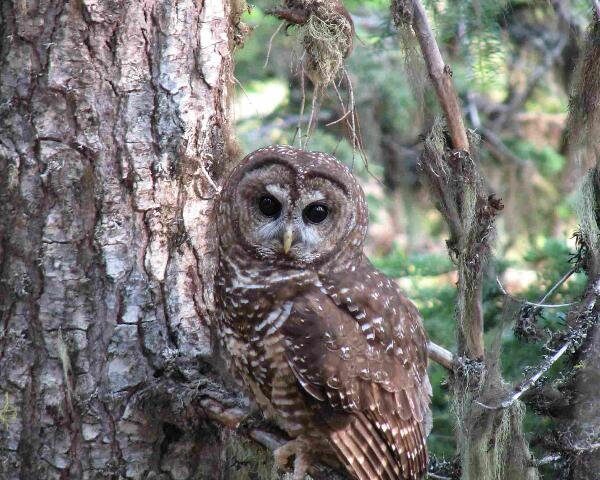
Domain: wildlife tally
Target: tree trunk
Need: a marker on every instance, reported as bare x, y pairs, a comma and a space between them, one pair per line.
114, 126
579, 426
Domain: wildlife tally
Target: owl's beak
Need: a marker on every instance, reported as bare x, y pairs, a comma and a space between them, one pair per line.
288, 237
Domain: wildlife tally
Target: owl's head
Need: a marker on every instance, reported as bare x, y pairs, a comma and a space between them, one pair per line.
287, 205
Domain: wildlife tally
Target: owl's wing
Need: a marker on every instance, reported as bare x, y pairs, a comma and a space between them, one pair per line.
359, 347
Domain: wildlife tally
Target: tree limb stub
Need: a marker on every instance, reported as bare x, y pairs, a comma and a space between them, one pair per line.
441, 77
440, 355
294, 16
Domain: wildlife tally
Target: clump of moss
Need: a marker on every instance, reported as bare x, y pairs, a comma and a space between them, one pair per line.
327, 40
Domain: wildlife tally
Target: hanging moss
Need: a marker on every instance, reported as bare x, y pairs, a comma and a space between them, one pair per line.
327, 41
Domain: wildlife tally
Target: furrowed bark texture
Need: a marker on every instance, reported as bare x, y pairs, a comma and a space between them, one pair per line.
113, 119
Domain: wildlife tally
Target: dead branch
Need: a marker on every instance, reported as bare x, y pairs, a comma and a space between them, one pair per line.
572, 339
455, 181
469, 211
539, 304
530, 382
441, 77
440, 355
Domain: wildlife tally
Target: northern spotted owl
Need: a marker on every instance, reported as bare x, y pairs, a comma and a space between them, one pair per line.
328, 346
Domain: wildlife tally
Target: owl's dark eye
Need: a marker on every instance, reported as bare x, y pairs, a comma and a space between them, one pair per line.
269, 206
315, 212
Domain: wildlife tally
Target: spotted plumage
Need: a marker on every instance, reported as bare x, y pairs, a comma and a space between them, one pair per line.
328, 346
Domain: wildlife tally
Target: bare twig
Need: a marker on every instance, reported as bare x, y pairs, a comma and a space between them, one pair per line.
548, 294
440, 355
547, 459
271, 44
557, 285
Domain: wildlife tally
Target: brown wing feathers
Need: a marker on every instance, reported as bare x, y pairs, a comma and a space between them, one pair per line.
383, 437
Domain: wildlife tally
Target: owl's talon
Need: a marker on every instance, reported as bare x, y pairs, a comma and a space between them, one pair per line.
251, 421
300, 450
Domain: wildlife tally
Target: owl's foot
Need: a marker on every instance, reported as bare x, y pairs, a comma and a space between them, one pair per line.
300, 449
253, 420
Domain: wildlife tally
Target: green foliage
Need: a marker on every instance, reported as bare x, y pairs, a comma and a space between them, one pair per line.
398, 264
547, 159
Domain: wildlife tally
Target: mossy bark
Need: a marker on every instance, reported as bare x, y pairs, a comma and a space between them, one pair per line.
578, 429
579, 424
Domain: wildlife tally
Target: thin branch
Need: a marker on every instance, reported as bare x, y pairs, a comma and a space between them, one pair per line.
534, 304
271, 43
530, 382
558, 284
441, 77
440, 355
437, 477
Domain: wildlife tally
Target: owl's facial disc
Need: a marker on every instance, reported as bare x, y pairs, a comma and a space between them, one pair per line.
300, 222
285, 214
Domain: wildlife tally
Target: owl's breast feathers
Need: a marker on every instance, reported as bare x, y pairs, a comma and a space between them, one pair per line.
357, 350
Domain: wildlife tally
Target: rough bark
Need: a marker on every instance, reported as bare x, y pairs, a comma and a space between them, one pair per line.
113, 130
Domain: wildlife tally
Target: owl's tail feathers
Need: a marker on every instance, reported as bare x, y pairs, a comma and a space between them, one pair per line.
364, 452
407, 440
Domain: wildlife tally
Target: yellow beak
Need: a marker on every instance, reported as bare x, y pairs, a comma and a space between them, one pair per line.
287, 239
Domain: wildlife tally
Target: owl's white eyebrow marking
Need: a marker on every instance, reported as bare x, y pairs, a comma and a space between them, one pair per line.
314, 196
277, 191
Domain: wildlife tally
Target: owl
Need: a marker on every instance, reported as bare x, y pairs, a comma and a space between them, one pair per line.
327, 346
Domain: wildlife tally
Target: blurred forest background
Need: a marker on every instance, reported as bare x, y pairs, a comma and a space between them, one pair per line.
512, 64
